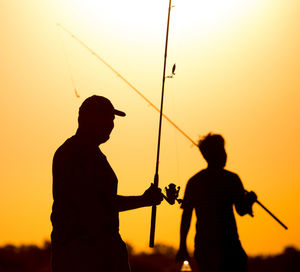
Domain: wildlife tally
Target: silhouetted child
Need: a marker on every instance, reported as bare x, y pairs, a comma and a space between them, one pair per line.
213, 192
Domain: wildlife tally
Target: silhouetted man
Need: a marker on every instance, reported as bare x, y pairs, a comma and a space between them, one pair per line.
213, 192
85, 236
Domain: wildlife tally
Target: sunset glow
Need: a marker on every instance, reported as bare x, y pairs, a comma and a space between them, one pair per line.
238, 66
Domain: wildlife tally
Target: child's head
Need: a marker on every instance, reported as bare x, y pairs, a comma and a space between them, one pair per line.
212, 147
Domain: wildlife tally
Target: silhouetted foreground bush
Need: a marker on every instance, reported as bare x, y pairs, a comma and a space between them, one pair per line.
37, 259
28, 258
287, 261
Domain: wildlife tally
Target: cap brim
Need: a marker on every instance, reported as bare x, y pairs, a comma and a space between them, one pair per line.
119, 113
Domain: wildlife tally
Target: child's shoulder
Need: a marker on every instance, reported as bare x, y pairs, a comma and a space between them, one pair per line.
198, 176
206, 173
230, 174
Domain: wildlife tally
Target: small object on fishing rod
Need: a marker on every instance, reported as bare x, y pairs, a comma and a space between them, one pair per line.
172, 194
173, 71
185, 267
76, 93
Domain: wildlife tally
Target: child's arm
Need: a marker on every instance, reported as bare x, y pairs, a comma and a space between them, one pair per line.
182, 253
244, 204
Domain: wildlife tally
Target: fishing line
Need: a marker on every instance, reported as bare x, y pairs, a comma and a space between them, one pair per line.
126, 81
68, 64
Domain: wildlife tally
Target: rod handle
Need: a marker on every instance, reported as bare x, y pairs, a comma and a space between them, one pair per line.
153, 215
152, 229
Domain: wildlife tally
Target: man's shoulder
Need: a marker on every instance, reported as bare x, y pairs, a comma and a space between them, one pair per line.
67, 150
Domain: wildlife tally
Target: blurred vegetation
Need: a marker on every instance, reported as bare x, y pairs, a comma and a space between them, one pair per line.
31, 258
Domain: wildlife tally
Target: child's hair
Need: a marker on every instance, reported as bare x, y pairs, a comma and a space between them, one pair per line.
210, 144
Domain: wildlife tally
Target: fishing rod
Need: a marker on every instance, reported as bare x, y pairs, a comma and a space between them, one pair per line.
269, 212
126, 81
156, 178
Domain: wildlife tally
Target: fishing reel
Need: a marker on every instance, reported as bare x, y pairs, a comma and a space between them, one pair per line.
172, 194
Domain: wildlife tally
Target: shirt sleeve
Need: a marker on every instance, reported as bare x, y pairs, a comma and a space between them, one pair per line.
238, 189
239, 197
188, 199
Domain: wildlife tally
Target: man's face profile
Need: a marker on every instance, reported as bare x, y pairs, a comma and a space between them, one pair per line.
98, 126
102, 126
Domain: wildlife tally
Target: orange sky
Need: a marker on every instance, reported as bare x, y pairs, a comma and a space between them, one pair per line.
238, 65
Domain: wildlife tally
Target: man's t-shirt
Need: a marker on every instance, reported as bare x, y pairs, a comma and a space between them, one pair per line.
84, 192
213, 192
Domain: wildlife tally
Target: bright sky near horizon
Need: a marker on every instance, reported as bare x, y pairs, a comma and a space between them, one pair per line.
238, 67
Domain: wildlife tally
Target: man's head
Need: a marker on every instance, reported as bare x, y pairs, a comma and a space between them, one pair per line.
96, 117
212, 147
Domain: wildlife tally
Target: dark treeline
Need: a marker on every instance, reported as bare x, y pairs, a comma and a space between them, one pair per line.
31, 258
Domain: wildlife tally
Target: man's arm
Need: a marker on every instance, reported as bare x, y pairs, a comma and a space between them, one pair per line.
152, 196
182, 253
125, 203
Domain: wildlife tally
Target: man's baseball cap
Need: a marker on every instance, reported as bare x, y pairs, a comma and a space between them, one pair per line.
98, 105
